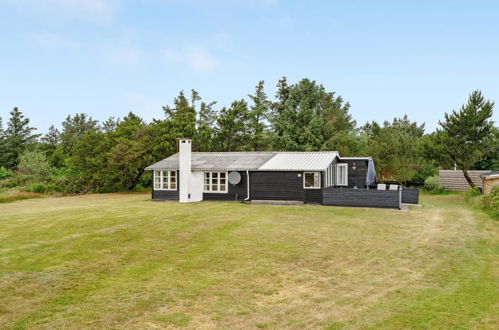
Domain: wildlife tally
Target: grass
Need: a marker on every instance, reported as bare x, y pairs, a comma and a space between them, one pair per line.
8, 197
122, 261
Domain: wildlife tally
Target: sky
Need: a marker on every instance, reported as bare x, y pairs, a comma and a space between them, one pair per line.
108, 57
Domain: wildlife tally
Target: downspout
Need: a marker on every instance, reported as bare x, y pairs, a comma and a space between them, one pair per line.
247, 187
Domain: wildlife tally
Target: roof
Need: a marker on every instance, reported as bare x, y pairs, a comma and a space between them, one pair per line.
491, 175
299, 161
255, 161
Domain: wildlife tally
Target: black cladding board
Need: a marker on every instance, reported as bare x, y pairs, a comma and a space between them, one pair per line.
361, 197
273, 185
410, 196
357, 177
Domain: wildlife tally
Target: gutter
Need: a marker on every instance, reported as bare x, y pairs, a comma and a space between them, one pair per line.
247, 187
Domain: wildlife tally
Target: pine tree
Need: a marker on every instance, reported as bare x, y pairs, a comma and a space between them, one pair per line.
205, 127
73, 128
232, 127
468, 132
52, 138
17, 137
258, 116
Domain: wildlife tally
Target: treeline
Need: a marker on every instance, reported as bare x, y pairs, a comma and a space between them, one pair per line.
87, 155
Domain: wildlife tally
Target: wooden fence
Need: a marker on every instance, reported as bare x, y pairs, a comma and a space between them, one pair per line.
361, 197
410, 196
455, 180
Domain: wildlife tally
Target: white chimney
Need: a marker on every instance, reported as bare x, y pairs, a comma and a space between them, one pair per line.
184, 163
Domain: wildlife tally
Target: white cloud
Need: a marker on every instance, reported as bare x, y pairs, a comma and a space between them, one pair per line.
54, 40
127, 57
196, 58
200, 60
89, 9
92, 7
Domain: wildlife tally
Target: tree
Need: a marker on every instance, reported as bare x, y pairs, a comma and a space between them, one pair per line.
52, 138
232, 127
17, 137
306, 117
34, 163
183, 115
204, 140
73, 128
468, 133
258, 116
131, 153
394, 148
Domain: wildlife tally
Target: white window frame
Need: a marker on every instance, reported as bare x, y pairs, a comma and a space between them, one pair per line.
338, 173
329, 181
210, 178
304, 175
168, 182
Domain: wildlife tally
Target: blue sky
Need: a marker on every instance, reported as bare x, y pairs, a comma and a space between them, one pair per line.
109, 57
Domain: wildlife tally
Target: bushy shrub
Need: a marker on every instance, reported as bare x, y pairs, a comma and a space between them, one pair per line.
36, 188
34, 163
433, 184
4, 174
471, 193
490, 202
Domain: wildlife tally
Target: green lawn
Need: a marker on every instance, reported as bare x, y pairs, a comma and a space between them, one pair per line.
122, 261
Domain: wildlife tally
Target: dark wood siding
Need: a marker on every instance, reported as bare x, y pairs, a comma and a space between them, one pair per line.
235, 192
410, 196
361, 197
168, 195
277, 186
313, 196
357, 177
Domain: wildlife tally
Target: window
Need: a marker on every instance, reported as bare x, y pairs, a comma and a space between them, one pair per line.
215, 182
329, 181
312, 180
342, 174
165, 180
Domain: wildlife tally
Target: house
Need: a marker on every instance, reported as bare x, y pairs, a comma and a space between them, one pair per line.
488, 181
309, 177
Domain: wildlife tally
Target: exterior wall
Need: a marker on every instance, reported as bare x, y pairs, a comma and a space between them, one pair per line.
232, 190
168, 195
455, 180
273, 185
488, 184
361, 197
357, 177
410, 196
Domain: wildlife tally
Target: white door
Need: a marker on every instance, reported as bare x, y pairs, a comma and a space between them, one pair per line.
196, 186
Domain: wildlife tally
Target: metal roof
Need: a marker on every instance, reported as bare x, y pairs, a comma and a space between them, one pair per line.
255, 161
300, 161
491, 175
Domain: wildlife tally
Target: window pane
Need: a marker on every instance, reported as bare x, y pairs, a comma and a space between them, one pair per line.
317, 182
214, 187
206, 187
173, 173
309, 180
173, 186
222, 180
214, 181
222, 187
222, 175
157, 186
